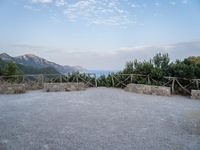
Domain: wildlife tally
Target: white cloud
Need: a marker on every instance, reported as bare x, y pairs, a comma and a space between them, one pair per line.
31, 8
184, 1
106, 12
135, 5
175, 51
102, 12
42, 1
60, 2
157, 4
173, 3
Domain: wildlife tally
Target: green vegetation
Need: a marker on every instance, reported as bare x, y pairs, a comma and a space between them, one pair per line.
152, 72
185, 69
157, 68
10, 68
1, 66
160, 66
194, 59
33, 70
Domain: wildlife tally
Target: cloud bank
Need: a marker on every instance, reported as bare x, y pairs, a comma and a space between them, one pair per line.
114, 60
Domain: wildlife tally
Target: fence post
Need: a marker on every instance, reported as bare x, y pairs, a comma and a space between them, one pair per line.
113, 83
77, 78
173, 83
60, 78
96, 81
148, 78
42, 77
197, 83
23, 79
131, 78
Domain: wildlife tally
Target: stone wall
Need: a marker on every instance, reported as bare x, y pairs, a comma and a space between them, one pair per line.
34, 86
149, 89
12, 88
54, 87
195, 94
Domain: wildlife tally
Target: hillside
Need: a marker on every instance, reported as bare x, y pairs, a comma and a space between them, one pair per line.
38, 62
29, 69
32, 70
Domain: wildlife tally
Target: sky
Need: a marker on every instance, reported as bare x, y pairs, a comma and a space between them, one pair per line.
100, 34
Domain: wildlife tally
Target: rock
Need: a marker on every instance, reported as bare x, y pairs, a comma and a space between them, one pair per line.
149, 89
195, 94
8, 88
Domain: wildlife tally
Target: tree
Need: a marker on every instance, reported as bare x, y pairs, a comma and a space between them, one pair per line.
194, 59
11, 69
129, 68
161, 60
144, 68
1, 67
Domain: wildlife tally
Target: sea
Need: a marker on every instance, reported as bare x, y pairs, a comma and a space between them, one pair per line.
98, 73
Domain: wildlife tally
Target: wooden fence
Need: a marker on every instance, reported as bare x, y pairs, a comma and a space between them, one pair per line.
117, 80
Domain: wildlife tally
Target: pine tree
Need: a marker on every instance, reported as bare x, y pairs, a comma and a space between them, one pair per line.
10, 69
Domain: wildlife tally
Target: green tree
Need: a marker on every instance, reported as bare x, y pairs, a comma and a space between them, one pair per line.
185, 69
161, 60
1, 67
194, 59
161, 66
11, 69
129, 68
144, 68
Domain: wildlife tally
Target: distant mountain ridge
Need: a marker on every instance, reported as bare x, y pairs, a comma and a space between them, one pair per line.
38, 62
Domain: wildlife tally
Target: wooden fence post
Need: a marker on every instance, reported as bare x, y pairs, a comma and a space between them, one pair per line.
96, 82
113, 83
42, 77
60, 78
197, 83
173, 83
149, 82
77, 78
23, 79
131, 78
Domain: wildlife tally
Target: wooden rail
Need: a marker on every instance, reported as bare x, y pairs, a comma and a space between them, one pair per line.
118, 80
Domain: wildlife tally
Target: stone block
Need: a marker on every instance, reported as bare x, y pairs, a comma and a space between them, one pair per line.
195, 94
149, 89
12, 88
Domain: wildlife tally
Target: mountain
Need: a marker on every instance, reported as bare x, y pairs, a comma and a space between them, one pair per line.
28, 69
5, 57
33, 70
38, 62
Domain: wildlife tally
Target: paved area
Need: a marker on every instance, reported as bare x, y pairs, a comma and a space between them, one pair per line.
98, 119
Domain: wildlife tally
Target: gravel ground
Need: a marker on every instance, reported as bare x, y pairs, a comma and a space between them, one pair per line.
98, 119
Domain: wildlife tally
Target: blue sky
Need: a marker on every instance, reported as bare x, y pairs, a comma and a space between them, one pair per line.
100, 34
